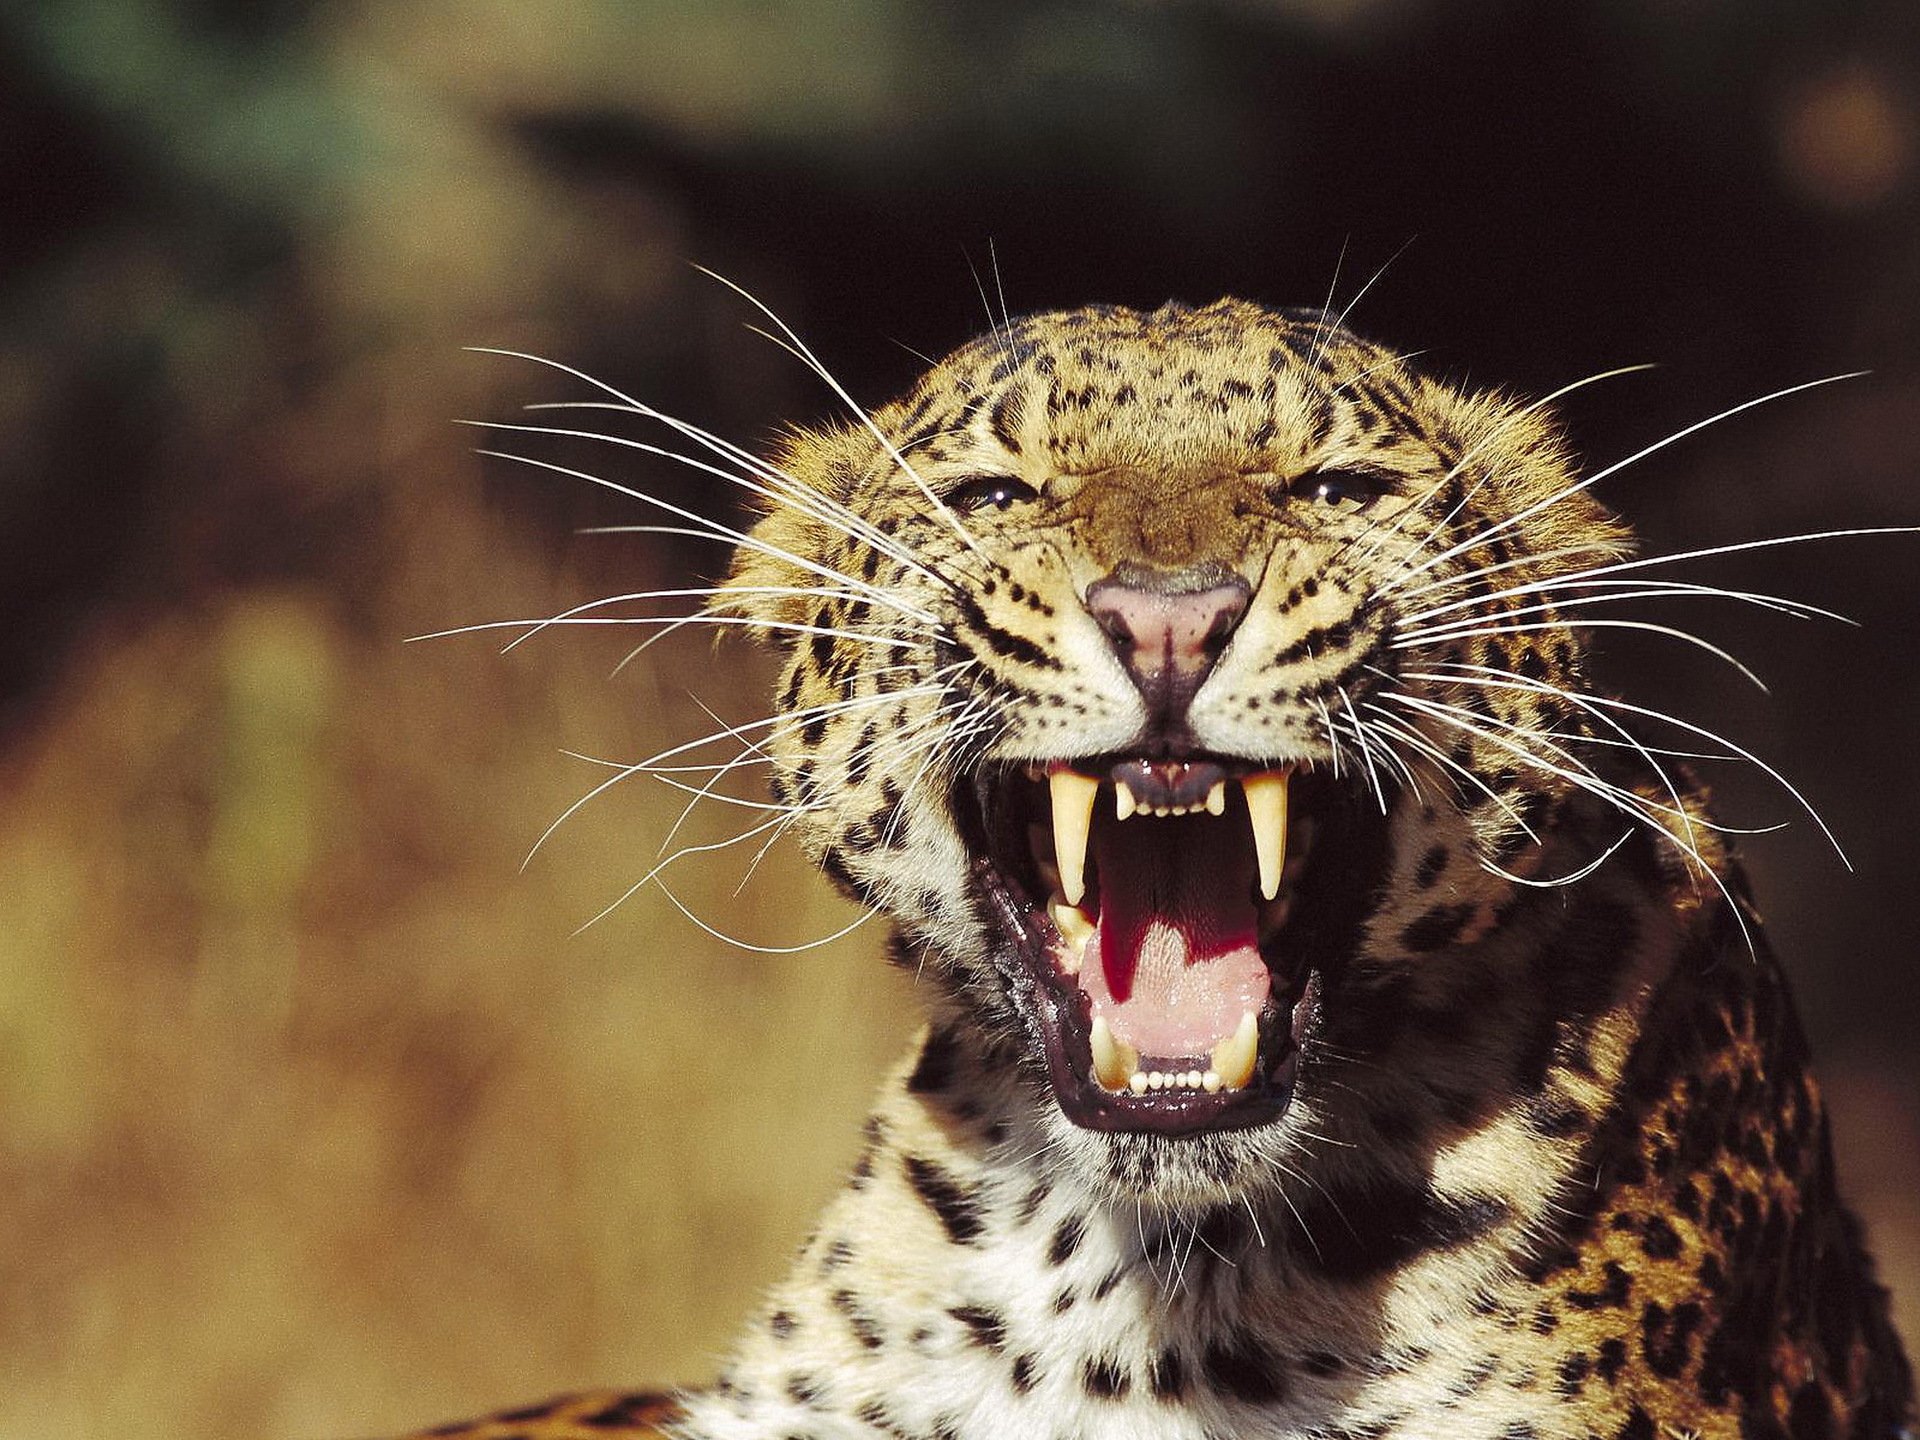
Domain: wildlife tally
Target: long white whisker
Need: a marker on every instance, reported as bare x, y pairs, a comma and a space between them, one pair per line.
715, 530
672, 622
1737, 750
782, 489
1384, 719
1486, 441
1613, 591
813, 362
1488, 532
1646, 626
799, 495
735, 940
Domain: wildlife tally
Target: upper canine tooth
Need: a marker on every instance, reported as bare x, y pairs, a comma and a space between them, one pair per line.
1217, 798
1114, 1061
1267, 807
1072, 817
1123, 806
1232, 1059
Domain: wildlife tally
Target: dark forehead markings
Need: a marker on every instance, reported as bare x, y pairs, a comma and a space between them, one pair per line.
1002, 418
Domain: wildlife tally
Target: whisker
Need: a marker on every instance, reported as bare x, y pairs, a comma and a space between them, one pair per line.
813, 362
714, 530
1485, 442
1488, 531
1647, 626
1739, 751
735, 940
1615, 590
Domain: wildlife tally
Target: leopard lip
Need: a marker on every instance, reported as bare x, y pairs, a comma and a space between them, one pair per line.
1172, 1089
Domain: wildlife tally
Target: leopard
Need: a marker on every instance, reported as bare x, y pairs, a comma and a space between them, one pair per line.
1345, 1018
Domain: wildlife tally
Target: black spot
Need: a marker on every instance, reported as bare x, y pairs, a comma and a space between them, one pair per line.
1365, 1231
625, 1413
1574, 1369
1436, 929
1659, 1239
781, 1323
1638, 1426
1241, 1369
1611, 1295
804, 1389
1667, 1339
1432, 864
1105, 1378
957, 1206
1025, 1371
1322, 1363
934, 1071
1611, 1358
1031, 1202
987, 1327
527, 1412
1066, 1240
1168, 1378
865, 1328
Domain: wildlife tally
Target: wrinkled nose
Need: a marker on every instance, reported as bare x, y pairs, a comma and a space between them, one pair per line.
1168, 629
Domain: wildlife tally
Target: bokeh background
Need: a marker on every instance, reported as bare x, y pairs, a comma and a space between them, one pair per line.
316, 1116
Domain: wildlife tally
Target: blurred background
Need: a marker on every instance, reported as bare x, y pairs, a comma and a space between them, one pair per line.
316, 1116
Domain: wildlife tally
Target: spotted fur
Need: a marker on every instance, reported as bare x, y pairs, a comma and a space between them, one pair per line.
1555, 1166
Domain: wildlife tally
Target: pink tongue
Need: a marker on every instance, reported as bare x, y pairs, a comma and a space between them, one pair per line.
1174, 960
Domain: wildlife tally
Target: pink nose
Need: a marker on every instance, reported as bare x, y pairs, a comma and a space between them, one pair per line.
1168, 637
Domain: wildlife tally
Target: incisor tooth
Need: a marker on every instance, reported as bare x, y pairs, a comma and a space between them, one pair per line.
1217, 798
1232, 1059
1072, 817
1114, 1061
1267, 808
1123, 806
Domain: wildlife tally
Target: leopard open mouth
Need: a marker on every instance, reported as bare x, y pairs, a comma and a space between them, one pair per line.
1175, 924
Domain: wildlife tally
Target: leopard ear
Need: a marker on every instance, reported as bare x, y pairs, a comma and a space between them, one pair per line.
766, 573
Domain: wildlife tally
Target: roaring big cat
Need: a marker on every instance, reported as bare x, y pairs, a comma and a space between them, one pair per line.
1345, 1018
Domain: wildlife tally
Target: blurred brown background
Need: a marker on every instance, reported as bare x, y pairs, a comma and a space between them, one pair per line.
315, 1118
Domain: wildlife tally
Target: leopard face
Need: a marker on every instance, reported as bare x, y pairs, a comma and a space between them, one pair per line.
1188, 688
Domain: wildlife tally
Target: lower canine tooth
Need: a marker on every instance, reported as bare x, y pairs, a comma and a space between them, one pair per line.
1232, 1059
1114, 1061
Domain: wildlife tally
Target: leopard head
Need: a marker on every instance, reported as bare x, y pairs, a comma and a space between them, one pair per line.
1177, 682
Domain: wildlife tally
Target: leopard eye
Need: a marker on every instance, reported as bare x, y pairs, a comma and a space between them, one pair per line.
1348, 491
998, 492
